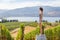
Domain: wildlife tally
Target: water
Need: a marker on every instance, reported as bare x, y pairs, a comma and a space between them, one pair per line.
28, 19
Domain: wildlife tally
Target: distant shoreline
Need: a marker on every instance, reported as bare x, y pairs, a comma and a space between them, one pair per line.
29, 19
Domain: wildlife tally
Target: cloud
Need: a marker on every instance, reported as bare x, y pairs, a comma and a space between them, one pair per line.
6, 1
13, 4
54, 3
19, 5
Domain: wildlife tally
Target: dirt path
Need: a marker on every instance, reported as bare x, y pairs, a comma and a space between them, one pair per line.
14, 32
27, 30
48, 27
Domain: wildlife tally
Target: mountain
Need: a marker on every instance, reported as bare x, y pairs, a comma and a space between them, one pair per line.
31, 12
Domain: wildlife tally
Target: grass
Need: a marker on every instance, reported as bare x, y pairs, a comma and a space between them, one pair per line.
13, 25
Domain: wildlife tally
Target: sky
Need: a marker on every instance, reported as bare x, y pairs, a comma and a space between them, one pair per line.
13, 4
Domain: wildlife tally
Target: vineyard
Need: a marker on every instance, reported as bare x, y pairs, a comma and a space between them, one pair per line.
52, 33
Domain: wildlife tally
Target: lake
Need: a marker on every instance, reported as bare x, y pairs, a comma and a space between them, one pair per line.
28, 19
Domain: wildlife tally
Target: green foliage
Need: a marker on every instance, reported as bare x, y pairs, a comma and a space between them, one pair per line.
32, 35
33, 24
56, 21
22, 26
28, 36
5, 33
57, 32
49, 34
20, 35
13, 25
53, 34
22, 31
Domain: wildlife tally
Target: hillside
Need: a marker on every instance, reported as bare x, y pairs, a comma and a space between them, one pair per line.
31, 12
